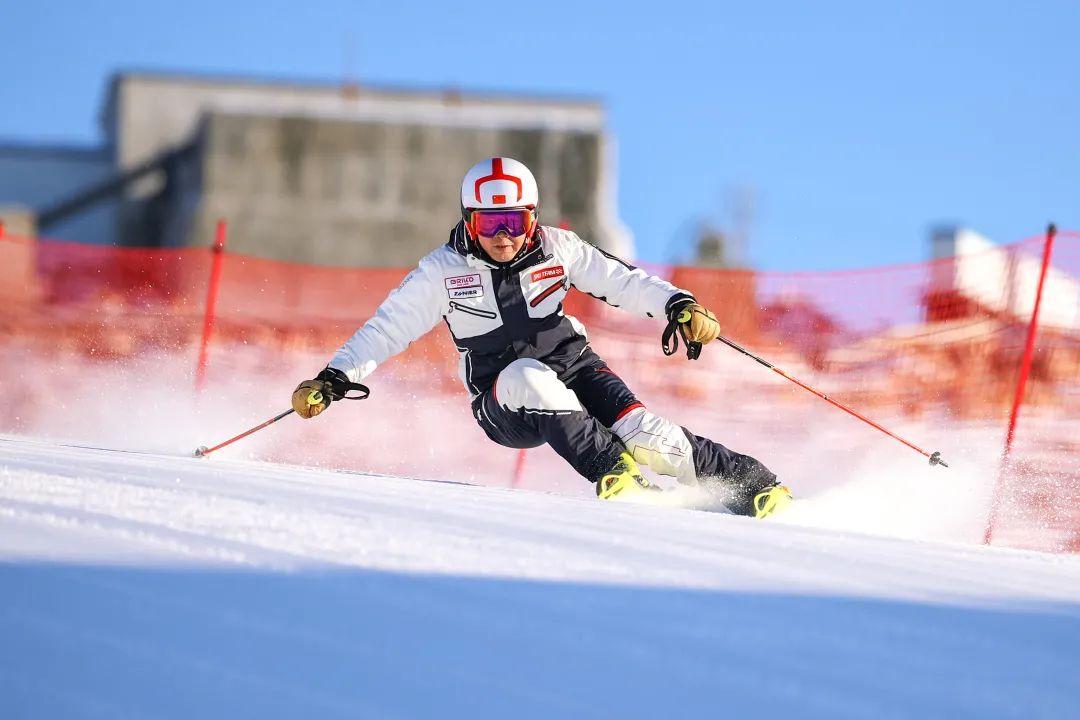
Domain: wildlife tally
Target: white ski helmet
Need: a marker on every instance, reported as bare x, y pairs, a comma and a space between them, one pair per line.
498, 183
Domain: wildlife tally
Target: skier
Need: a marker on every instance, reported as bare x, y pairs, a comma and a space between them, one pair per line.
499, 284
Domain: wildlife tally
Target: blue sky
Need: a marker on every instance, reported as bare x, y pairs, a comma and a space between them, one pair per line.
854, 126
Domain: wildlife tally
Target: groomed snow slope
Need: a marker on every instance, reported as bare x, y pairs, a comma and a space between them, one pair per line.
138, 585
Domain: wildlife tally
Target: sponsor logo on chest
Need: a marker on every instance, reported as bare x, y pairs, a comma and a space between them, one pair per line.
465, 286
547, 273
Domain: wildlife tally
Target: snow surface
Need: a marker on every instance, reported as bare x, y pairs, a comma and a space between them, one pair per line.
147, 585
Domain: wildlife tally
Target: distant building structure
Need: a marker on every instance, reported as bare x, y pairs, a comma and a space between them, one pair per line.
712, 247
37, 176
987, 279
310, 172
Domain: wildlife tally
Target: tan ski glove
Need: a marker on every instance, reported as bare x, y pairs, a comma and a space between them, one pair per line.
699, 324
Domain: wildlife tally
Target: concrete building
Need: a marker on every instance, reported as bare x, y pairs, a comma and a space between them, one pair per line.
323, 173
39, 176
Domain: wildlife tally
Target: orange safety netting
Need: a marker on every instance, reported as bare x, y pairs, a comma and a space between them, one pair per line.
929, 349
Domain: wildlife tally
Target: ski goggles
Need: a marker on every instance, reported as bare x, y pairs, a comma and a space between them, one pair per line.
490, 223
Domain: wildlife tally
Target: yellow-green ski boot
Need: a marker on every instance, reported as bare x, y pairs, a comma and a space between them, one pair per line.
624, 481
772, 500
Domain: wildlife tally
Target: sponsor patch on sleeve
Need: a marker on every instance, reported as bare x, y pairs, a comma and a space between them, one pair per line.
472, 292
548, 273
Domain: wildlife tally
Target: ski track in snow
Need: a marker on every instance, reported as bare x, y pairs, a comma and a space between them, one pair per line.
143, 585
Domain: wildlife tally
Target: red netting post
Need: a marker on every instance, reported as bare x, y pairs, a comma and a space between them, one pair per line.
1021, 382
1, 228
218, 251
519, 468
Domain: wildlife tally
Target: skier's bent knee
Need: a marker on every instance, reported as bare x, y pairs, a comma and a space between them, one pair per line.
528, 384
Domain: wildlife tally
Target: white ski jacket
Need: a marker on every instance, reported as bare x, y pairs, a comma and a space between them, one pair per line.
498, 314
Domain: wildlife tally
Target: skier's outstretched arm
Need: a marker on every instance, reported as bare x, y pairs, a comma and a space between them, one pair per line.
620, 284
407, 313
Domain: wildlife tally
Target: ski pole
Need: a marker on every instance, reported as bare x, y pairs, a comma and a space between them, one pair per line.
204, 451
935, 457
314, 398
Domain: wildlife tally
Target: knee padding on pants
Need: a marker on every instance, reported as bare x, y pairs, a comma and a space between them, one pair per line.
530, 385
658, 443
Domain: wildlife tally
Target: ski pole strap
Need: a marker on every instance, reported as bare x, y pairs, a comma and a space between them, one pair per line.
341, 390
337, 386
693, 348
669, 341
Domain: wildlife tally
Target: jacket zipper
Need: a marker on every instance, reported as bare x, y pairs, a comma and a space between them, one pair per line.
473, 311
544, 295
